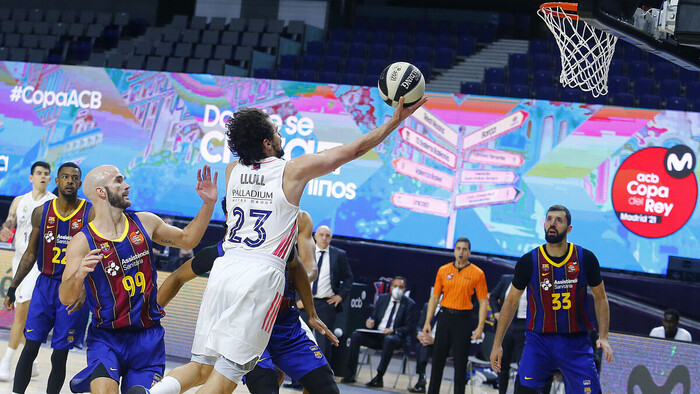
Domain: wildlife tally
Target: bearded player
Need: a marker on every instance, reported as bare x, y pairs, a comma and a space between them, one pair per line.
556, 276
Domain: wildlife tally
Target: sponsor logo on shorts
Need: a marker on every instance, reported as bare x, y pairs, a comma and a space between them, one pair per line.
318, 354
112, 369
136, 237
30, 330
586, 390
586, 382
526, 378
156, 378
313, 348
546, 284
70, 339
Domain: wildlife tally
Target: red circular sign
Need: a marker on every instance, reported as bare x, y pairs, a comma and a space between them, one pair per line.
648, 197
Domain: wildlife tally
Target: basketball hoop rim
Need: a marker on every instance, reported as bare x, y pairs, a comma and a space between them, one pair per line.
571, 9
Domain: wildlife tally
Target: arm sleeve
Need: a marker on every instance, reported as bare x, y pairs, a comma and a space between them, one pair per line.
204, 260
482, 292
523, 272
592, 267
437, 290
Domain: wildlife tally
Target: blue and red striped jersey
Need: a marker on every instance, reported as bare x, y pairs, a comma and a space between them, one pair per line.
122, 290
56, 232
556, 293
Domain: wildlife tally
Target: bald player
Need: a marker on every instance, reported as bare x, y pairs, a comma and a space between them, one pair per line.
111, 260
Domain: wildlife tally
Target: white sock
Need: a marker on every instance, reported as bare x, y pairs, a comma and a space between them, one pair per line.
167, 385
9, 353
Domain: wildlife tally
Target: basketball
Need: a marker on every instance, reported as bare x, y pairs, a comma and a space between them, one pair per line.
401, 79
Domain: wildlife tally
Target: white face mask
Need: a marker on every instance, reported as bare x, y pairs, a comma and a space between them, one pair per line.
397, 293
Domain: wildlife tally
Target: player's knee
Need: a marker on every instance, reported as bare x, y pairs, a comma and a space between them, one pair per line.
320, 381
204, 371
59, 356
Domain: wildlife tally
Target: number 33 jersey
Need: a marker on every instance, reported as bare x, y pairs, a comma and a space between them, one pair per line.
260, 219
121, 291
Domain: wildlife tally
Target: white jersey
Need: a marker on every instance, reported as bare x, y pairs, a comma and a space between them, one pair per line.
260, 219
24, 219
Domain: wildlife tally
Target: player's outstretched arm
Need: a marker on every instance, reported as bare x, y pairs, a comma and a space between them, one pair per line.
304, 168
602, 313
80, 261
174, 282
298, 276
28, 258
306, 245
10, 222
187, 238
510, 306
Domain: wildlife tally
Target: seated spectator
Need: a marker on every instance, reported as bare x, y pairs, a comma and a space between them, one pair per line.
424, 348
670, 329
394, 317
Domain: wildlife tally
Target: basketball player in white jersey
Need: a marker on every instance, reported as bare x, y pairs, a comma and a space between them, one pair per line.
245, 286
19, 217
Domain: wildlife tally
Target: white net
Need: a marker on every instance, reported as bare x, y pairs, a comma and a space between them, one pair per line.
585, 51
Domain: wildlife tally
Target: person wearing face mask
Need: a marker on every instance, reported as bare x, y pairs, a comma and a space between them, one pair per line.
394, 317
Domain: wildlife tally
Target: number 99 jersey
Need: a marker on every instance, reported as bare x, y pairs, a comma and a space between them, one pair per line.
121, 291
260, 219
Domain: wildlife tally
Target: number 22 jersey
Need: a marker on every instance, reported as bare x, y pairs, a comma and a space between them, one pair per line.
122, 291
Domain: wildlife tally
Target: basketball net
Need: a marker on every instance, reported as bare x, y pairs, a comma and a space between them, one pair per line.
585, 51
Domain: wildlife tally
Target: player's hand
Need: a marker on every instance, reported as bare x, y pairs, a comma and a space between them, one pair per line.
318, 325
300, 305
77, 304
426, 329
206, 187
5, 234
401, 113
496, 356
88, 263
607, 350
497, 315
9, 304
335, 300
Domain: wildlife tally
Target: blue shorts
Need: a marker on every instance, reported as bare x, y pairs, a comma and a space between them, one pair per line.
46, 312
265, 361
291, 349
136, 356
572, 354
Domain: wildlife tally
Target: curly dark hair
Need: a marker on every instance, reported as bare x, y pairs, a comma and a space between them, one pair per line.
246, 130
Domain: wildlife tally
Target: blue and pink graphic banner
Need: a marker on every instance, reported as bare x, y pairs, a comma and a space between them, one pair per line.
482, 167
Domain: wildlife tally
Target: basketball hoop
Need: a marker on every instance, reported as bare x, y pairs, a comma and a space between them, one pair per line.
585, 51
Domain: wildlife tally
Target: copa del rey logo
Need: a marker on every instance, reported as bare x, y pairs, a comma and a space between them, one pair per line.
655, 190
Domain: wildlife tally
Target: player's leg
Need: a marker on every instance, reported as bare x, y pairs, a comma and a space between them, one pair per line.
16, 336
58, 371
320, 381
226, 376
23, 372
577, 364
536, 365
182, 378
262, 380
103, 363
